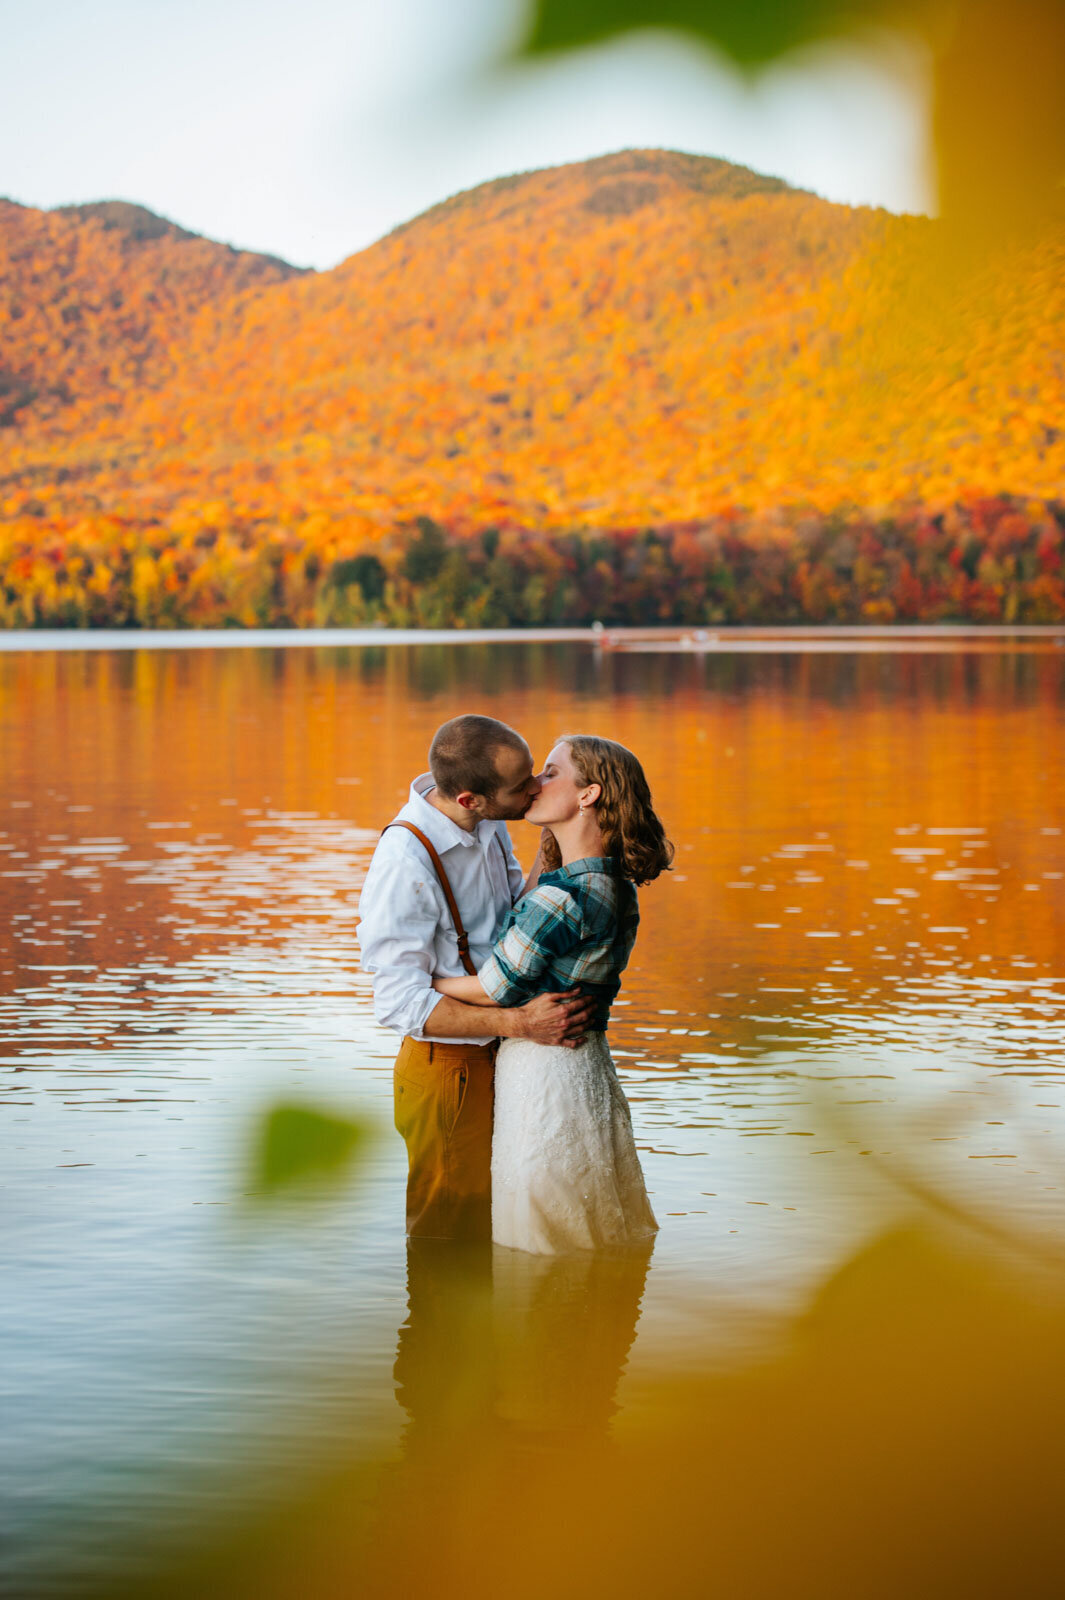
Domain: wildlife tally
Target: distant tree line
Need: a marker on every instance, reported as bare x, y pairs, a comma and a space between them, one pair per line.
991, 560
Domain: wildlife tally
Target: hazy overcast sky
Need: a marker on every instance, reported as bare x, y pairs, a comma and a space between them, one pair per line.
309, 129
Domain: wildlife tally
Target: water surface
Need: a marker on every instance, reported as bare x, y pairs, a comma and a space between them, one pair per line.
852, 983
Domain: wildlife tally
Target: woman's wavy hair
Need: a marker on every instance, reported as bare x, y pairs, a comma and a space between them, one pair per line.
632, 833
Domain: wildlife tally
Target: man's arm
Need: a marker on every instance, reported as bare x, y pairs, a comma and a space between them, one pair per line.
400, 907
549, 1019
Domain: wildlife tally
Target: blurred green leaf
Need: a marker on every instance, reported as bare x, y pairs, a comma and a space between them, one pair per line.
295, 1147
997, 70
751, 34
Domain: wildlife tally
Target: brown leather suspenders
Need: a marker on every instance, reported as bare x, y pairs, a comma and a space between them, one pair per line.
452, 905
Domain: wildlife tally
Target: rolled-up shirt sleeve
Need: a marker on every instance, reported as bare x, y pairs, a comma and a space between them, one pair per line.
544, 925
400, 909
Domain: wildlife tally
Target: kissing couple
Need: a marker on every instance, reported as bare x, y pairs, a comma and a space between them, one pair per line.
502, 984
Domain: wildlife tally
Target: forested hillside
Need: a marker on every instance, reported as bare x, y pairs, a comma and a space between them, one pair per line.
98, 302
647, 387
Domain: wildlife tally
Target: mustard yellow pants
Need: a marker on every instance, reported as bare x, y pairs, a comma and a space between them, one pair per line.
443, 1107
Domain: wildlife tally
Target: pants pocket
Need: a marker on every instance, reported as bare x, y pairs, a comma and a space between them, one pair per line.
408, 1101
414, 1066
415, 1088
455, 1087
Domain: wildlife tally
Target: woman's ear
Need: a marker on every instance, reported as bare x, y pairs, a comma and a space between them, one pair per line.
592, 795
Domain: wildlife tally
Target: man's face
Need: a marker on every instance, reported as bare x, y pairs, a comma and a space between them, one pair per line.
517, 787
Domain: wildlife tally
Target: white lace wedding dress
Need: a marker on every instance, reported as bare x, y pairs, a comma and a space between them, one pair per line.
565, 1173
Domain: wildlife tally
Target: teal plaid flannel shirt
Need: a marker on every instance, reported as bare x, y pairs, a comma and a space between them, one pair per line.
576, 928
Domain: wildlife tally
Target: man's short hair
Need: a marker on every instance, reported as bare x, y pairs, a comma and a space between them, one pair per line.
462, 755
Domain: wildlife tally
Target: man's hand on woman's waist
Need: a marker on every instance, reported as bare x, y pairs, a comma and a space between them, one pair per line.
552, 1018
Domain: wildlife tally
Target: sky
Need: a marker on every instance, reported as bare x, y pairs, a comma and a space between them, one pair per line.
309, 129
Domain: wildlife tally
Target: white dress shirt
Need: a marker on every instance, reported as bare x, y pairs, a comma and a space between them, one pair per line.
406, 934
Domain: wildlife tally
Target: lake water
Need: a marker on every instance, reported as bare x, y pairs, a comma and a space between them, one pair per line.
849, 995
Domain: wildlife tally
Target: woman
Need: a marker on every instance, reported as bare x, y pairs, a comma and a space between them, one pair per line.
565, 1173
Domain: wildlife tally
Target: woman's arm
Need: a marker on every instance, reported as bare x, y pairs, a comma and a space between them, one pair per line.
544, 926
471, 990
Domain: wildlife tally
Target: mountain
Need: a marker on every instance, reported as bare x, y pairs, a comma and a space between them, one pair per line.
646, 340
96, 299
565, 344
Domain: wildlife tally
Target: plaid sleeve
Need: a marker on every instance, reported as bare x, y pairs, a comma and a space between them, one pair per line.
543, 926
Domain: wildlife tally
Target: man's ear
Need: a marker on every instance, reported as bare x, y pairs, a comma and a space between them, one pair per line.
468, 801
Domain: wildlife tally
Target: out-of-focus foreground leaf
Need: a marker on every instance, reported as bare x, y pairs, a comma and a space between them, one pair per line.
751, 35
900, 1435
998, 115
295, 1148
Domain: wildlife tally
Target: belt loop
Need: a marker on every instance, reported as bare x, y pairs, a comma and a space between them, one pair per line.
430, 1052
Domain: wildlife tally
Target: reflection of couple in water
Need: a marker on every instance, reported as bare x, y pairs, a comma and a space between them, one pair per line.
501, 986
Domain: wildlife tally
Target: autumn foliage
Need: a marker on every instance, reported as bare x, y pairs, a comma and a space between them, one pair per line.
650, 387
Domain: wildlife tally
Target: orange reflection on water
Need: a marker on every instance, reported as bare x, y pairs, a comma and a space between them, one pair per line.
890, 816
868, 886
848, 998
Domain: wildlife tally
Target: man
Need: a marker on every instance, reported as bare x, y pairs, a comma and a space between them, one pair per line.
481, 777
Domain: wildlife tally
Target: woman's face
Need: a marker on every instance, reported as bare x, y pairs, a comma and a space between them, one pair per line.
560, 789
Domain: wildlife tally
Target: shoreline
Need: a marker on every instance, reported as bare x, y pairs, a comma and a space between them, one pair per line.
721, 639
